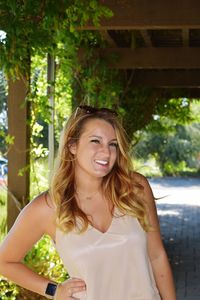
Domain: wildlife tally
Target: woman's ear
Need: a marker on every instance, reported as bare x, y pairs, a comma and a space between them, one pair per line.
72, 147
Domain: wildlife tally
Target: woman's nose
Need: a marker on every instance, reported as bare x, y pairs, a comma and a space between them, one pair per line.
106, 149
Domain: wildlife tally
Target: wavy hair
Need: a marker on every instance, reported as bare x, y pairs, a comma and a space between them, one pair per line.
118, 186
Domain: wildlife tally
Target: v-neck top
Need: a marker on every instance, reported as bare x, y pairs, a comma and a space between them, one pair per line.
114, 265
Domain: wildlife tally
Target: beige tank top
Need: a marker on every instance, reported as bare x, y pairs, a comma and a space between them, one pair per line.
114, 265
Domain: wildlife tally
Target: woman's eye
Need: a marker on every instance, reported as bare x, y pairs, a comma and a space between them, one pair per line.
113, 145
95, 141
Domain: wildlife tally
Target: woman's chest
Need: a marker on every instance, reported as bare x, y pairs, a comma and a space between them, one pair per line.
123, 233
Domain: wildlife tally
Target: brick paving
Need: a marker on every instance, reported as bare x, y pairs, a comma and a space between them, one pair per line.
179, 214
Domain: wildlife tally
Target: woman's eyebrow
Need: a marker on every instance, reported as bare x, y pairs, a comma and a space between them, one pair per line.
97, 136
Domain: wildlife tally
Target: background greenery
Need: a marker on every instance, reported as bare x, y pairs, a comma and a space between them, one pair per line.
172, 142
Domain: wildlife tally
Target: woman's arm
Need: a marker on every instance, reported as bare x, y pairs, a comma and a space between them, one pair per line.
36, 219
159, 261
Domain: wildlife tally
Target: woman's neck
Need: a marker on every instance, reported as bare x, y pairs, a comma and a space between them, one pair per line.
88, 185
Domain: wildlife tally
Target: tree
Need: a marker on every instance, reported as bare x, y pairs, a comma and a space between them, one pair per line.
173, 141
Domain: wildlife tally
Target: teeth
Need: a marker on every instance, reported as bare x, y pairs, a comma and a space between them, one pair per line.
103, 162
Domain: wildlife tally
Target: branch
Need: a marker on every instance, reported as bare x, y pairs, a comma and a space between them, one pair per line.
18, 204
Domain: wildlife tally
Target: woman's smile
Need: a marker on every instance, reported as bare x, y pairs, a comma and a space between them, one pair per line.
102, 162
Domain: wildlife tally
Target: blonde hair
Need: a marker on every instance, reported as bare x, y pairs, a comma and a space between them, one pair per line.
118, 186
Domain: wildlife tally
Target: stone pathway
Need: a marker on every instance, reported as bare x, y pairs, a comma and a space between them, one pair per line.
179, 214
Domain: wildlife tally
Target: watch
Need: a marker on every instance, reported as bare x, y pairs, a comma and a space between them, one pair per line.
51, 290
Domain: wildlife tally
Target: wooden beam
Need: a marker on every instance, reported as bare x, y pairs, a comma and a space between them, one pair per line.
178, 93
151, 58
145, 14
167, 78
18, 154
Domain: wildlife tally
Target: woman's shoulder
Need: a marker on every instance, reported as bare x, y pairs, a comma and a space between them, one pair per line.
41, 210
41, 203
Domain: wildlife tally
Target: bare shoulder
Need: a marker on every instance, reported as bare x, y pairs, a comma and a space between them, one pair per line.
41, 212
41, 205
36, 219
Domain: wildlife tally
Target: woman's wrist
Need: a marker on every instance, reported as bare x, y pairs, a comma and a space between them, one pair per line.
57, 293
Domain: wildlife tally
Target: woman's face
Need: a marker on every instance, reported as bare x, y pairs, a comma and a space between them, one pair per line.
96, 150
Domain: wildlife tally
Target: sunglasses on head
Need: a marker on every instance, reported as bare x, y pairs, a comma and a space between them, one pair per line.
92, 110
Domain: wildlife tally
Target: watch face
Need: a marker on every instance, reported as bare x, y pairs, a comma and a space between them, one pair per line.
51, 289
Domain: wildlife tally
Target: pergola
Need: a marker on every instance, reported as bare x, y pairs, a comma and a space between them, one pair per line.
157, 41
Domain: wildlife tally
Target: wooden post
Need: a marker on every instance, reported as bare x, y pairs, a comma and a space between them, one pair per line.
18, 154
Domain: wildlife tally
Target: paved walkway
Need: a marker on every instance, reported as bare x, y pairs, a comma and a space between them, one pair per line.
179, 214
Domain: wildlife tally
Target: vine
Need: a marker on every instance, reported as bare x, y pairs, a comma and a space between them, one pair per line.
40, 26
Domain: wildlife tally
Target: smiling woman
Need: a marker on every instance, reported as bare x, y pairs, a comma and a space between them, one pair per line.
101, 216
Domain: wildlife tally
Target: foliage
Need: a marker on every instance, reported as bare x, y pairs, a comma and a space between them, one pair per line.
177, 109
174, 145
40, 27
138, 106
178, 169
39, 176
149, 168
44, 260
8, 290
3, 213
41, 109
47, 26
96, 84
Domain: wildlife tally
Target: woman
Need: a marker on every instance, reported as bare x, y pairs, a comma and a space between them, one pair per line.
101, 216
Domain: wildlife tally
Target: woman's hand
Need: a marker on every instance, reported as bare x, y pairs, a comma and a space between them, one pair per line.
66, 289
